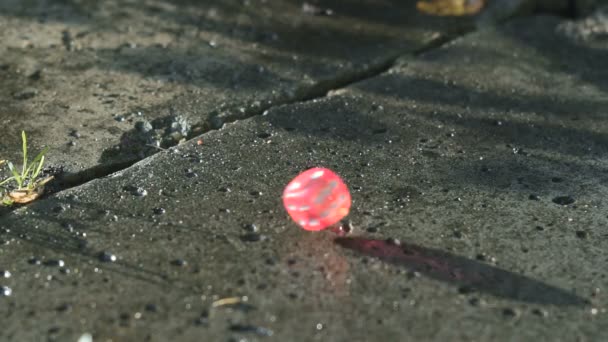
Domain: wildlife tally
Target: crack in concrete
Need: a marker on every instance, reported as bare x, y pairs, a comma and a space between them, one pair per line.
317, 91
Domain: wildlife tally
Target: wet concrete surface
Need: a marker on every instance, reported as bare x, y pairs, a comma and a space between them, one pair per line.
79, 76
478, 177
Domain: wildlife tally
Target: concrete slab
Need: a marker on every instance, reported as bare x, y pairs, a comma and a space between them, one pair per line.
107, 83
478, 175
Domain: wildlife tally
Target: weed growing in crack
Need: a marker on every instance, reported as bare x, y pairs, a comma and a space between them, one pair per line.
27, 185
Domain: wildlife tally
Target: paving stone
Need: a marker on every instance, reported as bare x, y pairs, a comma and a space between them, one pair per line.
442, 154
84, 77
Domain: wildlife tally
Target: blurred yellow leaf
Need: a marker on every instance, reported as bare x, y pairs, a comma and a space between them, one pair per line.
450, 7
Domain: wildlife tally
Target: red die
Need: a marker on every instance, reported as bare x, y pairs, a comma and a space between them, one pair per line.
316, 199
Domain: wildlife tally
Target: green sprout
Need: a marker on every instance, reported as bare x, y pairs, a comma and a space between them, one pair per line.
28, 184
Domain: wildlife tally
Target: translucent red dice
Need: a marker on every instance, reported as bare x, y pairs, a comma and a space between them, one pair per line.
316, 199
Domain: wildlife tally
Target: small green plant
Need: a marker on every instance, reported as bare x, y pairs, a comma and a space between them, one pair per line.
28, 185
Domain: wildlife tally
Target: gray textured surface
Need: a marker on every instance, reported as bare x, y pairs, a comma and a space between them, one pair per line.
82, 65
441, 152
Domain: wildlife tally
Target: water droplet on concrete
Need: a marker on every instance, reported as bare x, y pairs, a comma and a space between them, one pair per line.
346, 227
159, 211
251, 227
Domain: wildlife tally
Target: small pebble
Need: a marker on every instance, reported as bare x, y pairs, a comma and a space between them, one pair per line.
25, 94
34, 261
251, 227
86, 337
393, 241
107, 257
58, 209
54, 263
140, 192
372, 229
5, 291
190, 173
74, 133
143, 126
159, 211
540, 312
179, 262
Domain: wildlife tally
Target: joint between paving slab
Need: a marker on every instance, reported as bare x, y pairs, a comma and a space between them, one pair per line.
318, 91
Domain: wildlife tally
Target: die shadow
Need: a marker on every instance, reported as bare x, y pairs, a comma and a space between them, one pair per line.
468, 274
